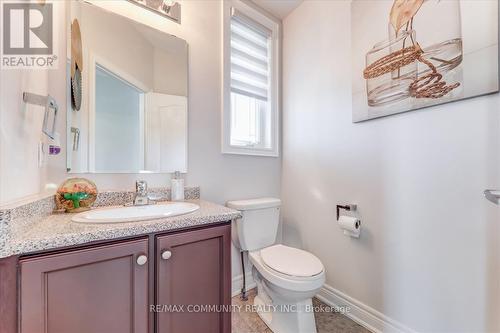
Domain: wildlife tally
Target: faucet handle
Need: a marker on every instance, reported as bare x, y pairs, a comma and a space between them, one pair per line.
141, 187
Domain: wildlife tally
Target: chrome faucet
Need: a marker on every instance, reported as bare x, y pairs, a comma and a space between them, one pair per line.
141, 193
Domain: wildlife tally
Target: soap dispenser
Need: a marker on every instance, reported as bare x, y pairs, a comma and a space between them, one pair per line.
177, 187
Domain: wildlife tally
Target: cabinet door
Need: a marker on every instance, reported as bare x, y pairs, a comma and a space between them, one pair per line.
196, 272
103, 289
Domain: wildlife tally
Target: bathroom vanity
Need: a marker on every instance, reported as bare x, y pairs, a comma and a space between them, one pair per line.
126, 112
145, 276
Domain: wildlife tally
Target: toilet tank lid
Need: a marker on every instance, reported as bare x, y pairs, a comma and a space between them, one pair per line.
250, 204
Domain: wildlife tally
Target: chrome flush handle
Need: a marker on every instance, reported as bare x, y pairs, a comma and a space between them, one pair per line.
493, 196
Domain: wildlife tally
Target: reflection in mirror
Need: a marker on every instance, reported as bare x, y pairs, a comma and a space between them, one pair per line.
133, 115
119, 109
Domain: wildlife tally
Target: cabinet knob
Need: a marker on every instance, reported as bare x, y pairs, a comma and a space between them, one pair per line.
166, 254
142, 259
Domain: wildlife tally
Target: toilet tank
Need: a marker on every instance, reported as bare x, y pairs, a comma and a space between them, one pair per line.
258, 226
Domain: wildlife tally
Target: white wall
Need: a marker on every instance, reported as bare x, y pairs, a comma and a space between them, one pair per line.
20, 133
221, 177
174, 63
99, 39
21, 129
428, 254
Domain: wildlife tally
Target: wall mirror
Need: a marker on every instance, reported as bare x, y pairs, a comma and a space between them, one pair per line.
127, 95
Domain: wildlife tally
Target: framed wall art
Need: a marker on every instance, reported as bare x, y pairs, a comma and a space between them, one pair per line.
411, 54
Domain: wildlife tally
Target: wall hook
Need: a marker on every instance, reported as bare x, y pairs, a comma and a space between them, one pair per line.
76, 138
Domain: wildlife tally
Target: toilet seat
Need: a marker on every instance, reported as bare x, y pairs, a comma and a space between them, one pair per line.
294, 283
291, 261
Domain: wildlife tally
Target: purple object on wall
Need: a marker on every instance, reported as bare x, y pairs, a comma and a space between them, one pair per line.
54, 150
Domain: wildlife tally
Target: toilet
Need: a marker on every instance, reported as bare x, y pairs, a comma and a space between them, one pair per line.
287, 278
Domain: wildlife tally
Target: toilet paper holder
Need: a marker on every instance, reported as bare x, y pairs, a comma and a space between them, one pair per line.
350, 207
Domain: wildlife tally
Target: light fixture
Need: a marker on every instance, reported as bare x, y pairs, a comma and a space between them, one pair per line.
168, 8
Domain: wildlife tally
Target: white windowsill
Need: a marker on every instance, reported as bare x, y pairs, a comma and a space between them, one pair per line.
250, 152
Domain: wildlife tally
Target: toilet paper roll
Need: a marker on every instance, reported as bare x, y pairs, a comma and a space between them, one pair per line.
350, 225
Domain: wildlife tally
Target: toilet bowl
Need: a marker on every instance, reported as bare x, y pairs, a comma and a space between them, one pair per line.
287, 278
286, 284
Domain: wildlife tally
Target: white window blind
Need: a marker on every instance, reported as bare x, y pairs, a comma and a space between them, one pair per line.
250, 82
250, 57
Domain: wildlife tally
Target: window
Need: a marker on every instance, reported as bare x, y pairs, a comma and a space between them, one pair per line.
251, 86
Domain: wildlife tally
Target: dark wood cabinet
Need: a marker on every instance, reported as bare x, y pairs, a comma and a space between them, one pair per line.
101, 289
193, 281
111, 287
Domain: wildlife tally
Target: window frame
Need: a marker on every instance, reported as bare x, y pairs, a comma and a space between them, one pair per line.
275, 79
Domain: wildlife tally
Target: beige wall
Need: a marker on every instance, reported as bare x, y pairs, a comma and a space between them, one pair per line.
428, 253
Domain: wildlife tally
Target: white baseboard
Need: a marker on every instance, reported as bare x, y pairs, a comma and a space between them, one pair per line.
237, 284
361, 313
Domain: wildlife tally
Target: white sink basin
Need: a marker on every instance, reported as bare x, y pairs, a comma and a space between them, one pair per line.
135, 213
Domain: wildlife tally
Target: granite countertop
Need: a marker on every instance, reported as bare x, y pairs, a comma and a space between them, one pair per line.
31, 234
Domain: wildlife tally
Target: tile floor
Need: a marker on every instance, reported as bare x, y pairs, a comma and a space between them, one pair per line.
326, 322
